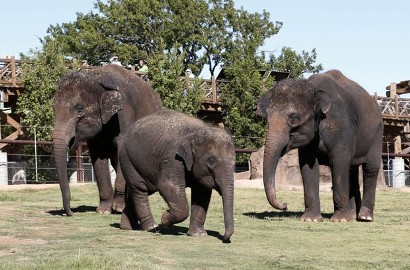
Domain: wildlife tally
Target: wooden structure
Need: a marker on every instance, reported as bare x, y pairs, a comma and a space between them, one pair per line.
400, 88
395, 110
10, 89
396, 119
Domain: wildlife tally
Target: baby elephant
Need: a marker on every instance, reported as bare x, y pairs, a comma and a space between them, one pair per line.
167, 152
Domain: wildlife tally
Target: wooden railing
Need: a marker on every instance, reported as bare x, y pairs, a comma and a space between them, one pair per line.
398, 108
10, 72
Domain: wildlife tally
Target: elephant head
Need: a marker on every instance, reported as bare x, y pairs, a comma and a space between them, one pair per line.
82, 105
293, 110
210, 157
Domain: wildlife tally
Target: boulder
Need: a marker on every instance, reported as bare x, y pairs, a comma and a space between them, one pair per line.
288, 171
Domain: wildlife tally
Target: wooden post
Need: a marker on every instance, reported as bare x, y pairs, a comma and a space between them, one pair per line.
79, 161
396, 105
13, 71
393, 87
213, 89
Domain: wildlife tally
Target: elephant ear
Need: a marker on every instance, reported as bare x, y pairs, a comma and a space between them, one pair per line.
322, 100
110, 102
185, 152
262, 104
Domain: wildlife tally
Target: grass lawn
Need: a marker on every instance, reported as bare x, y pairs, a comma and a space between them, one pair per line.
35, 235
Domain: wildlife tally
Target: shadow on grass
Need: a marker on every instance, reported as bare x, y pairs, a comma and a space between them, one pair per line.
176, 231
79, 209
279, 215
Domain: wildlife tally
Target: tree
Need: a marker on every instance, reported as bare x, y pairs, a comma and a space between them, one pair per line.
246, 86
40, 79
175, 35
294, 63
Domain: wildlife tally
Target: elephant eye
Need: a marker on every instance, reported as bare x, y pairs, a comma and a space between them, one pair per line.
80, 110
211, 161
294, 120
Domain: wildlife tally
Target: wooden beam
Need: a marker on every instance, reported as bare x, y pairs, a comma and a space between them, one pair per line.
10, 120
12, 136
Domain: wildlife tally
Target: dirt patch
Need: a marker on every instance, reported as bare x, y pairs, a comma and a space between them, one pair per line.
11, 241
33, 186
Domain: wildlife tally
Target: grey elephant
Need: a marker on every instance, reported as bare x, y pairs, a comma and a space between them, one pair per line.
167, 152
332, 121
96, 107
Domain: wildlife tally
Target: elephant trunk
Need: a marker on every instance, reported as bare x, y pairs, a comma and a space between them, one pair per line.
61, 142
276, 141
227, 192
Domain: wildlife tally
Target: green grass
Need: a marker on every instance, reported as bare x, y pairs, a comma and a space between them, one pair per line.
34, 235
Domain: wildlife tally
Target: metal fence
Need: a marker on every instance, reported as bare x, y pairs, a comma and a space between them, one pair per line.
30, 169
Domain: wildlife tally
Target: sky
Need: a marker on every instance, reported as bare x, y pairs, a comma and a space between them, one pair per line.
367, 40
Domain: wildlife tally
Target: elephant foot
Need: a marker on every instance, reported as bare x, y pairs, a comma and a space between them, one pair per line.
118, 206
104, 207
365, 215
346, 215
168, 220
310, 216
197, 232
152, 228
127, 223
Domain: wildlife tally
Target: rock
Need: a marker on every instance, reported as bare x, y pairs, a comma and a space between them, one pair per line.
288, 171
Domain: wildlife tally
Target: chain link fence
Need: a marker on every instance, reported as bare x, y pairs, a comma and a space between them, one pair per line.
27, 162
40, 169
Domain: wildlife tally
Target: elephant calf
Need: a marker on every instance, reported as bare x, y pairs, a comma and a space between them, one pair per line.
167, 152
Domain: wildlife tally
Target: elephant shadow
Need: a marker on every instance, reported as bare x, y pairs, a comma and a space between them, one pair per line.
279, 215
177, 231
79, 209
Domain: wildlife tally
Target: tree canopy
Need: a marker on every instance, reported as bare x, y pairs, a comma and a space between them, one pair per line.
173, 36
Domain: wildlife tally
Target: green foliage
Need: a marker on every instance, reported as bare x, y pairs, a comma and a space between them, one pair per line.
177, 92
296, 64
40, 81
173, 36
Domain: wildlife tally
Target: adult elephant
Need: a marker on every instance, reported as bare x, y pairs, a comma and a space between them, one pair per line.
183, 152
332, 121
97, 107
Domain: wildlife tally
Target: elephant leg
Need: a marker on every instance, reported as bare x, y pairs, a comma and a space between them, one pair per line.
102, 175
340, 180
175, 197
119, 188
354, 190
103, 179
200, 198
129, 218
309, 167
370, 173
137, 205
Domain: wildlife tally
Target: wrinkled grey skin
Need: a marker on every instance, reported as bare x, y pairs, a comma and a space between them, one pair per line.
332, 121
97, 107
167, 152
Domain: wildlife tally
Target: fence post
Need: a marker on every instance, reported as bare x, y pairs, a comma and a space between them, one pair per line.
35, 153
79, 152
